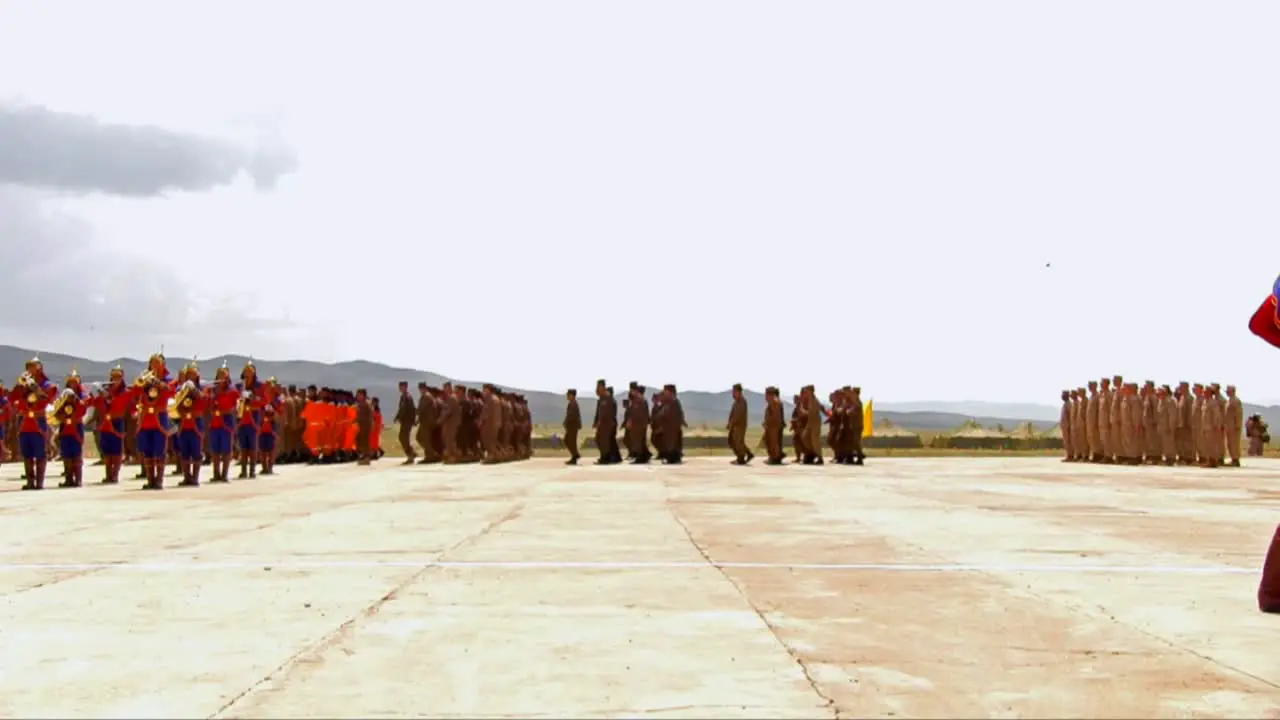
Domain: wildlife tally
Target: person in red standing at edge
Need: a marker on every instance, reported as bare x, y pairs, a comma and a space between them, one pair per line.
1265, 323
249, 409
222, 399
31, 396
271, 409
5, 416
189, 411
112, 406
68, 418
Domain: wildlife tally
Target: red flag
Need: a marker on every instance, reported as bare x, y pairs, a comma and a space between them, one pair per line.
1265, 322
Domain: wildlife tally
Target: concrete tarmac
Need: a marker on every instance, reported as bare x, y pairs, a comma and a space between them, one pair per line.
979, 587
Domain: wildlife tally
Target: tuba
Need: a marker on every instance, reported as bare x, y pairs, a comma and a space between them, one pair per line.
183, 399
61, 411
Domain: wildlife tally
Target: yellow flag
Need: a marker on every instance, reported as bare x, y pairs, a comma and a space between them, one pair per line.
868, 416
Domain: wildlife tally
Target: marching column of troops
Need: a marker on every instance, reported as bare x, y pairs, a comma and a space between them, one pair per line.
161, 418
456, 424
659, 421
1115, 422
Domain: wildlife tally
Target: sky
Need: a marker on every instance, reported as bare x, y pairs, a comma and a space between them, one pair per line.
933, 200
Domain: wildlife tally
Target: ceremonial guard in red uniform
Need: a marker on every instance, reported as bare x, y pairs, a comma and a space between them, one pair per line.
68, 419
249, 416
112, 407
271, 418
222, 399
30, 398
153, 438
188, 412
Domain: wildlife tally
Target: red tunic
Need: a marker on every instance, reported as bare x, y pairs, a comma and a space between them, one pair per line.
71, 417
151, 409
114, 405
224, 403
252, 407
191, 411
270, 416
31, 407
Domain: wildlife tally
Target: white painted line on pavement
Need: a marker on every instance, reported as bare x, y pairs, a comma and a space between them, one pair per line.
283, 564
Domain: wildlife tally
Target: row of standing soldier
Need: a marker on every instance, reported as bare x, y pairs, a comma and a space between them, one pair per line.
1115, 422
456, 424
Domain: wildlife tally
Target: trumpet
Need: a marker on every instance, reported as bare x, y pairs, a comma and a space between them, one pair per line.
145, 378
25, 380
242, 405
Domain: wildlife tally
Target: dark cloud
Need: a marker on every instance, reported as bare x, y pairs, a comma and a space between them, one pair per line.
60, 291
42, 148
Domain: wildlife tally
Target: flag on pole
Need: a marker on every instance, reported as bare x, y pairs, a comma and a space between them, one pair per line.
868, 416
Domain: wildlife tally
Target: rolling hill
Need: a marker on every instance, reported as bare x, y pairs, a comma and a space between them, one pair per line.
701, 407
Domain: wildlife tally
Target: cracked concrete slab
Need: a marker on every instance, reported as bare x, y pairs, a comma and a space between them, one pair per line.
998, 587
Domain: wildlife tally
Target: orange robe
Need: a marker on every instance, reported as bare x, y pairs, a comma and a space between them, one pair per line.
348, 422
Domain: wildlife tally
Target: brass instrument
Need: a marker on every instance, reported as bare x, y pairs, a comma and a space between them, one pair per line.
182, 400
146, 377
61, 412
242, 405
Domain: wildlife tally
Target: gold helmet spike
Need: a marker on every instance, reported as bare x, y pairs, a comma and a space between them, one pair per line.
74, 373
117, 370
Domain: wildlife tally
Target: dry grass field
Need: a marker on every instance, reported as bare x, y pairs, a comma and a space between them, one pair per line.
912, 587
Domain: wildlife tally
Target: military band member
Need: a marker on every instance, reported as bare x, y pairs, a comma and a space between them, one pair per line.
249, 420
153, 437
272, 414
68, 418
189, 409
31, 396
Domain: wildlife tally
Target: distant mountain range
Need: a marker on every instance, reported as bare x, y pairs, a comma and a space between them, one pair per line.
701, 408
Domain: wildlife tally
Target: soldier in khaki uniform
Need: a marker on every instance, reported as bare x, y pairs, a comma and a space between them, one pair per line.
572, 424
427, 412
1067, 425
1091, 423
406, 417
1150, 434
1117, 432
1105, 399
1079, 429
854, 454
736, 427
1211, 429
1198, 450
774, 424
1234, 422
1167, 424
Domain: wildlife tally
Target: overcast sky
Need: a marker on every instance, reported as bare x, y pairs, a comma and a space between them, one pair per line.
542, 193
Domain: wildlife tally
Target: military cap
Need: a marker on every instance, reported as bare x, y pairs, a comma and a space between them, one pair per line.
600, 382
293, 388
737, 387
670, 387
856, 389
640, 389
422, 384
572, 391
609, 389
402, 383
634, 385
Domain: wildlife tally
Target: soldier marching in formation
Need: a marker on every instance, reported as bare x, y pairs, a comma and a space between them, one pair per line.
1114, 422
664, 424
456, 424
